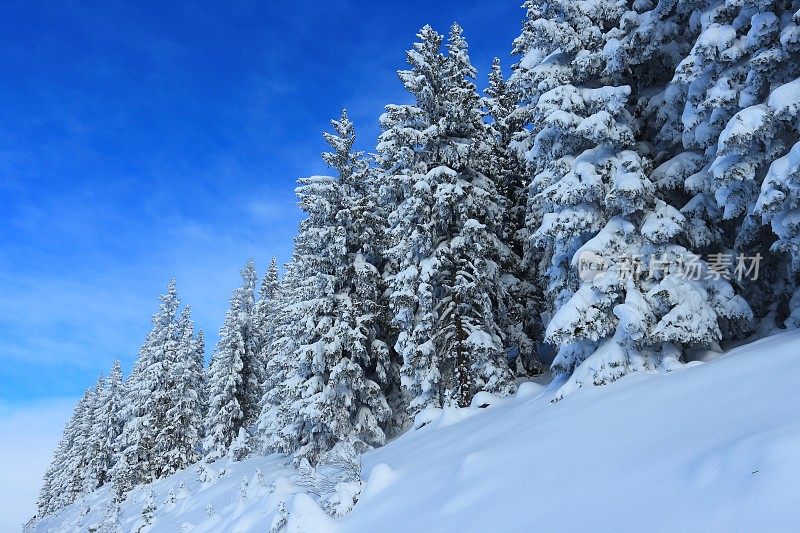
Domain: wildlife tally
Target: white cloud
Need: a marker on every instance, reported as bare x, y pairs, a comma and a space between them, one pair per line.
28, 435
67, 320
269, 210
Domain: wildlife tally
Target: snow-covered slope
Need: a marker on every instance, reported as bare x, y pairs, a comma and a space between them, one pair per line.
715, 446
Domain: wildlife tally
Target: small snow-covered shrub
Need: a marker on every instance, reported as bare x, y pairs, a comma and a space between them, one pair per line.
336, 480
240, 447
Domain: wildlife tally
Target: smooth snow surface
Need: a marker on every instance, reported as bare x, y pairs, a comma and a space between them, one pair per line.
714, 446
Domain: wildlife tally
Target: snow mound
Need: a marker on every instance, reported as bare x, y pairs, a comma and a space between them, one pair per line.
711, 447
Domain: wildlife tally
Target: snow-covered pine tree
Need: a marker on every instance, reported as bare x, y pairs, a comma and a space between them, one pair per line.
779, 197
66, 478
403, 151
443, 230
564, 46
178, 441
326, 353
360, 216
276, 414
235, 376
777, 204
363, 217
241, 447
107, 425
731, 108
262, 323
141, 456
200, 362
253, 370
590, 70
111, 520
269, 285
94, 438
46, 500
81, 453
517, 313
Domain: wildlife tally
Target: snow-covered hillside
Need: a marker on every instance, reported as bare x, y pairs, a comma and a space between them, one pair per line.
715, 446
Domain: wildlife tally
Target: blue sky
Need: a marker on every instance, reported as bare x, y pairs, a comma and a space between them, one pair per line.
144, 140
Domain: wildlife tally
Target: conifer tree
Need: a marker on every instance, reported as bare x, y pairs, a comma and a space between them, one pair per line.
66, 479
276, 414
107, 425
327, 392
141, 456
517, 312
253, 370
75, 480
264, 306
730, 110
361, 214
443, 230
200, 362
45, 502
179, 439
586, 76
236, 374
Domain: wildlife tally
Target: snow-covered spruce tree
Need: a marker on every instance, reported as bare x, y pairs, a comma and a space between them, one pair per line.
592, 68
76, 481
734, 105
50, 497
66, 478
236, 373
46, 501
200, 362
269, 285
107, 426
178, 441
142, 457
111, 518
563, 49
777, 204
253, 369
274, 419
364, 217
444, 287
262, 323
517, 313
570, 110
326, 354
